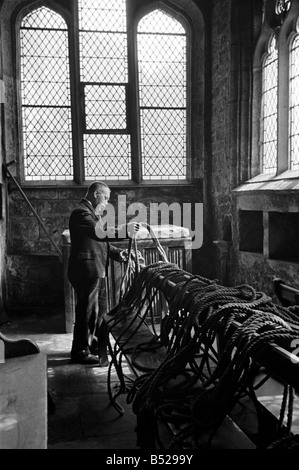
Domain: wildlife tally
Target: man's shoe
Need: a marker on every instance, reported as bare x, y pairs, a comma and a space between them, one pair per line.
103, 362
85, 359
94, 349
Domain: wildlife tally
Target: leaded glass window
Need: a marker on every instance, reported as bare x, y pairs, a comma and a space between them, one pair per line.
269, 110
162, 62
118, 110
276, 89
45, 94
294, 104
104, 74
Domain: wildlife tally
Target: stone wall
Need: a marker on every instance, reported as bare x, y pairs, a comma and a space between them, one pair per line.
267, 247
221, 167
2, 195
34, 269
221, 152
266, 238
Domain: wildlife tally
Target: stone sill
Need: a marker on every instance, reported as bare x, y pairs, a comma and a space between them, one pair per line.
49, 185
285, 182
271, 261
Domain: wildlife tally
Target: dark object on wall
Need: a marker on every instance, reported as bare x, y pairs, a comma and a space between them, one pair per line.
251, 234
227, 228
283, 236
7, 173
286, 294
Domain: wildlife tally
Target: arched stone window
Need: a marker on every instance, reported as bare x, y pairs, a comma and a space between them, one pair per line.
269, 110
276, 67
294, 102
45, 97
105, 92
162, 73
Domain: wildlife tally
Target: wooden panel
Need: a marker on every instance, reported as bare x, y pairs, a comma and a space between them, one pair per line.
177, 249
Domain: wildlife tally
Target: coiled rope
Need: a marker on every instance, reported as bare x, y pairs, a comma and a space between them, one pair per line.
193, 389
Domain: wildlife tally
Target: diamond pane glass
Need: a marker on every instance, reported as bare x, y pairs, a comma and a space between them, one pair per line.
159, 22
103, 41
294, 105
45, 91
163, 96
104, 71
103, 57
43, 18
162, 73
163, 143
95, 15
269, 111
105, 107
157, 169
107, 157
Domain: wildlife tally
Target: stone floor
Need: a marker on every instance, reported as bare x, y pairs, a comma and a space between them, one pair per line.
84, 417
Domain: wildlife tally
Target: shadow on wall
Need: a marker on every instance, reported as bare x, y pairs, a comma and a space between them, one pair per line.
34, 281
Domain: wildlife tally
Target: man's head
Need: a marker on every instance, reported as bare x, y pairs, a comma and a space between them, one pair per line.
98, 194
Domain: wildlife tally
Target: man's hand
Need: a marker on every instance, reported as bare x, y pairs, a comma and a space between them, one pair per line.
132, 228
124, 255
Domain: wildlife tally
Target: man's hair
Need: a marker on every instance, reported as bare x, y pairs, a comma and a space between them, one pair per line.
96, 186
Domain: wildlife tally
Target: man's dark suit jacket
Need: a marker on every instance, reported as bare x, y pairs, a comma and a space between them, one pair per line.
89, 255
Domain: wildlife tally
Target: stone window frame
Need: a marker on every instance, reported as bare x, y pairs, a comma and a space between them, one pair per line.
285, 30
196, 70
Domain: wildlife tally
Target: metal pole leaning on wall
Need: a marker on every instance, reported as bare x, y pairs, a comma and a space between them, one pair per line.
8, 173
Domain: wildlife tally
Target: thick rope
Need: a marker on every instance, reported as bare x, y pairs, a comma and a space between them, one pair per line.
193, 387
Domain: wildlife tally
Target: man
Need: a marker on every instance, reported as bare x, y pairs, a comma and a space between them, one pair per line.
87, 270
